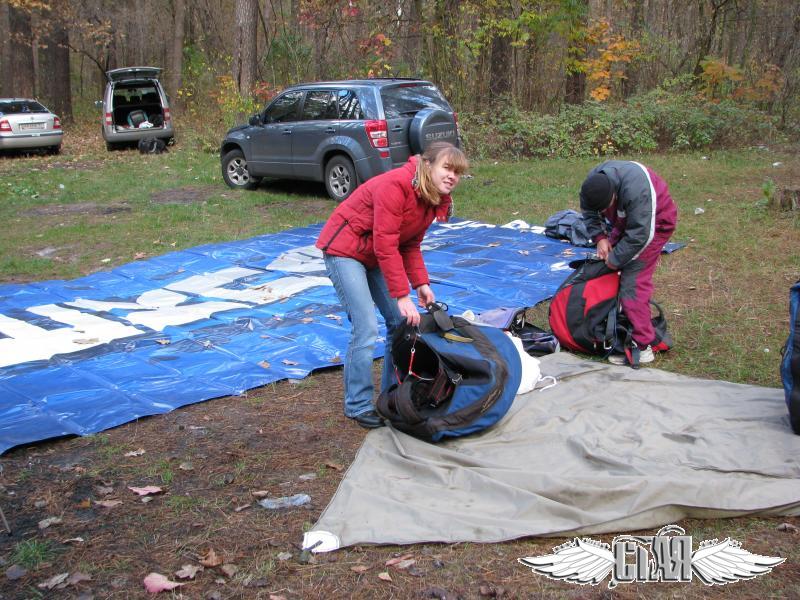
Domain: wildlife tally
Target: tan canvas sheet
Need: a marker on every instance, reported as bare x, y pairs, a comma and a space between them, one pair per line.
608, 449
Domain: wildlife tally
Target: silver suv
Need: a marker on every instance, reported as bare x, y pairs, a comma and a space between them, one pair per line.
339, 132
135, 106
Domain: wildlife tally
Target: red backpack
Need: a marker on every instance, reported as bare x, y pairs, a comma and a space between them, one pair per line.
585, 313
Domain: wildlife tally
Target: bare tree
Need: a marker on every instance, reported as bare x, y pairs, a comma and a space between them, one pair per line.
176, 52
5, 50
243, 65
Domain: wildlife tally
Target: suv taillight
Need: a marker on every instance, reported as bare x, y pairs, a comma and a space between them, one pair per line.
166, 115
378, 133
109, 120
5, 125
57, 123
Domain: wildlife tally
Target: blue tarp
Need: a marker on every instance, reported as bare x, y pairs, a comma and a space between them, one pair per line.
80, 356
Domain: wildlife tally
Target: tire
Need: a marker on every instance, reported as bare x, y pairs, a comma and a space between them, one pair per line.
235, 173
431, 125
340, 178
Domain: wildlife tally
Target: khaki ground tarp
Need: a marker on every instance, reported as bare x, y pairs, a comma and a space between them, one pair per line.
608, 449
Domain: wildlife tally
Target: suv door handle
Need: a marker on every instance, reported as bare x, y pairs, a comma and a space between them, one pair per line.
286, 131
330, 130
397, 128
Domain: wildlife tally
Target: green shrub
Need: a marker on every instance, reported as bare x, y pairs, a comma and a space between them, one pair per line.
667, 119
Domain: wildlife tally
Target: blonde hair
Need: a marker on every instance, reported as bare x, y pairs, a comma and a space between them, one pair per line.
437, 151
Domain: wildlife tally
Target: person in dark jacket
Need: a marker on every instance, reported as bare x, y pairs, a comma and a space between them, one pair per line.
371, 246
630, 215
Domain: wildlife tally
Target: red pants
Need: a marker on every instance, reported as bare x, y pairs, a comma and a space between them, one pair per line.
636, 289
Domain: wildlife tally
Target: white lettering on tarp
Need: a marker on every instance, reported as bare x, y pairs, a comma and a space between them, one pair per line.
27, 342
154, 310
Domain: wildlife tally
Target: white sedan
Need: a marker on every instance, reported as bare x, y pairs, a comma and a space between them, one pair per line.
26, 124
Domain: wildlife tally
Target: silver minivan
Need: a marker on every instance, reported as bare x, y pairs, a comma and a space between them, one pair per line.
135, 106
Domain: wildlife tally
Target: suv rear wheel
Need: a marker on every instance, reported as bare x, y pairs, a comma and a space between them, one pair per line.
340, 177
235, 173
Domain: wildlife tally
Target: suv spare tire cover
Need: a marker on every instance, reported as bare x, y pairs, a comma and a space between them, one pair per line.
431, 125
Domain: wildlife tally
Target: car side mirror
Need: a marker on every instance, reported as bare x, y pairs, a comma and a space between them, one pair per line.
256, 120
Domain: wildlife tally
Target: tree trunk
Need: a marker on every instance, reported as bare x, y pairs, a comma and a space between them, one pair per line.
5, 50
632, 71
176, 54
412, 49
244, 46
575, 81
21, 55
57, 71
500, 62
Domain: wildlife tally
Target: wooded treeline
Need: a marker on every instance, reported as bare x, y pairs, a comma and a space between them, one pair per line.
534, 55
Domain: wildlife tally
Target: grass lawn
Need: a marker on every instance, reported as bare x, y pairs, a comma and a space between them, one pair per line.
725, 295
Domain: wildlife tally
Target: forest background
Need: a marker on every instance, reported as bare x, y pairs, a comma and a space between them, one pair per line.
527, 78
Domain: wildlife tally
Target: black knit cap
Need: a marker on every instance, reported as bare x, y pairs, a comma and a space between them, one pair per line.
596, 192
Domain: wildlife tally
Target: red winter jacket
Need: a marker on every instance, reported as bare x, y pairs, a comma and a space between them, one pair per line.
382, 225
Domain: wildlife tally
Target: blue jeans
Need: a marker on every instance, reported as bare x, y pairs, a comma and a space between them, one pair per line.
360, 290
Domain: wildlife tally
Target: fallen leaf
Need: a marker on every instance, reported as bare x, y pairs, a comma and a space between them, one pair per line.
307, 320
334, 465
188, 571
163, 342
307, 476
146, 491
108, 503
261, 493
211, 559
493, 244
229, 569
276, 597
84, 341
146, 499
139, 256
359, 568
284, 555
788, 527
399, 559
45, 523
384, 576
334, 317
102, 490
264, 364
242, 507
404, 564
53, 581
75, 540
77, 577
286, 361
156, 582
85, 503
186, 466
138, 452
336, 360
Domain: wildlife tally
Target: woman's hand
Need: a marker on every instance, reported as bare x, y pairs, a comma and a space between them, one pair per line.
408, 310
425, 295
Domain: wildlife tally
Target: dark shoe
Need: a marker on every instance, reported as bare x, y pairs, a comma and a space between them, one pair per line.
369, 420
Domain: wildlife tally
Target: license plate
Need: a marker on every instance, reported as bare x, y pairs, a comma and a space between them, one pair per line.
31, 125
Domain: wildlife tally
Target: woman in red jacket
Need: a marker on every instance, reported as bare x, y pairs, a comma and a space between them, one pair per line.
371, 246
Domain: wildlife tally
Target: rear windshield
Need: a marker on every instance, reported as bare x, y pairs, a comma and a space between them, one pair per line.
21, 106
140, 94
408, 99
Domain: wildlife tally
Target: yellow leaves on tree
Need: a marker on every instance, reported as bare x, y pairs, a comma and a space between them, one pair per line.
606, 57
756, 83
